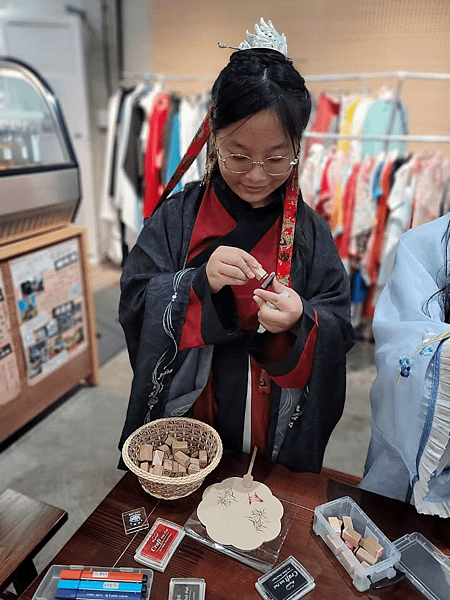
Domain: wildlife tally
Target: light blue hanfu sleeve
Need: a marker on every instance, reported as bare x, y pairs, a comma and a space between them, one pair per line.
410, 398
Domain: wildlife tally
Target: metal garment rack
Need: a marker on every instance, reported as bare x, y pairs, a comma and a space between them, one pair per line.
400, 76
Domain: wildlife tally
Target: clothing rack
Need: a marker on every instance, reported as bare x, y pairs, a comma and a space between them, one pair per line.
401, 76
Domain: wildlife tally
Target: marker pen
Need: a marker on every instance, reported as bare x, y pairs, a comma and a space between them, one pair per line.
83, 584
102, 575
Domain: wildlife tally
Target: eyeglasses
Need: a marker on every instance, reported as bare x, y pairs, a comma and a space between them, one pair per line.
274, 165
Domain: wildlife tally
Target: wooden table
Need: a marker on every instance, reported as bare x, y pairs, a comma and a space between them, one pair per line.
101, 540
26, 525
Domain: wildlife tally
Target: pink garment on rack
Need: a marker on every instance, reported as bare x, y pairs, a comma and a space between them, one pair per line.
433, 174
364, 212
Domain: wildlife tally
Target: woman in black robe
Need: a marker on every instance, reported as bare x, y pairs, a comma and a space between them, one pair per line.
265, 367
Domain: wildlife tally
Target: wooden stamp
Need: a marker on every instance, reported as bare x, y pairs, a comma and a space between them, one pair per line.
347, 521
351, 536
168, 469
182, 458
336, 524
372, 547
156, 470
183, 446
146, 452
363, 555
158, 457
203, 459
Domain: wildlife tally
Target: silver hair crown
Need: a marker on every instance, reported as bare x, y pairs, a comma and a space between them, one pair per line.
266, 36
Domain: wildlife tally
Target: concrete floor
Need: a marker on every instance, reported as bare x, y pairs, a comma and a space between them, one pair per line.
69, 458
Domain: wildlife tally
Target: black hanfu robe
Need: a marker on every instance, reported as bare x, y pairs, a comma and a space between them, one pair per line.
183, 340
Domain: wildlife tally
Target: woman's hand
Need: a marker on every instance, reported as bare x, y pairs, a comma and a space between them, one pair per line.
280, 309
229, 266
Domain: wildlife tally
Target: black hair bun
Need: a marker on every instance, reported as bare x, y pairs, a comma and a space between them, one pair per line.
262, 56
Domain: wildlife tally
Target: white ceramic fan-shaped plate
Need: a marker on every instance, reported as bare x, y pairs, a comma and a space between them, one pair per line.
238, 516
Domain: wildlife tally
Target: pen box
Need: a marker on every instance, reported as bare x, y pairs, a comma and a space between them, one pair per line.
102, 584
363, 574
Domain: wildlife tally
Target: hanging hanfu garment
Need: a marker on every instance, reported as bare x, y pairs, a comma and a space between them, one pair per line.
128, 197
108, 210
431, 183
327, 111
379, 121
356, 126
154, 155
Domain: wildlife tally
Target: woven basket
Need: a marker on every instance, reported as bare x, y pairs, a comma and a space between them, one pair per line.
199, 435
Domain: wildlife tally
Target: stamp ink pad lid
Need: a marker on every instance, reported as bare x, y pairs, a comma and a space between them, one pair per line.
288, 581
158, 546
187, 589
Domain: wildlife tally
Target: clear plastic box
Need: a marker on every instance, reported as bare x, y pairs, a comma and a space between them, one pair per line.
363, 575
47, 587
425, 566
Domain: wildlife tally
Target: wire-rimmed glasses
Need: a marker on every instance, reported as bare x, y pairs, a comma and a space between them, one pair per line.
274, 165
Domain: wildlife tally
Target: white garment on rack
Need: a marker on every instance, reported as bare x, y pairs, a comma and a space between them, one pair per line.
126, 200
108, 212
356, 127
192, 114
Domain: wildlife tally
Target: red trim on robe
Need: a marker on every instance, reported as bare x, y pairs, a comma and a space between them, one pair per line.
191, 334
300, 374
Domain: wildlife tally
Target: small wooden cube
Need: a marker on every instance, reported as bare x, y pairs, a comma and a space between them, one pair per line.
164, 448
158, 457
144, 465
182, 458
170, 439
194, 454
146, 452
180, 446
182, 469
351, 536
156, 470
203, 459
363, 555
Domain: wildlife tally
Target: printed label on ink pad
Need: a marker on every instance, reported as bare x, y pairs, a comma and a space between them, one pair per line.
187, 589
288, 581
159, 544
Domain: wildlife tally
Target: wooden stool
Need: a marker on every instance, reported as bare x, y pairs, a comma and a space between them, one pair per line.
26, 525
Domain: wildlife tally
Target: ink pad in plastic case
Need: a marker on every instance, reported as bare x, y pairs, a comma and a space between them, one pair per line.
288, 581
187, 589
158, 546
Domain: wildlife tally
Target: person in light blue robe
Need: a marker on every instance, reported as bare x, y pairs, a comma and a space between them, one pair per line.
409, 451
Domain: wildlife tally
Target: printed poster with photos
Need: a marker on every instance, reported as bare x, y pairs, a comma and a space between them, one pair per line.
49, 301
9, 371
